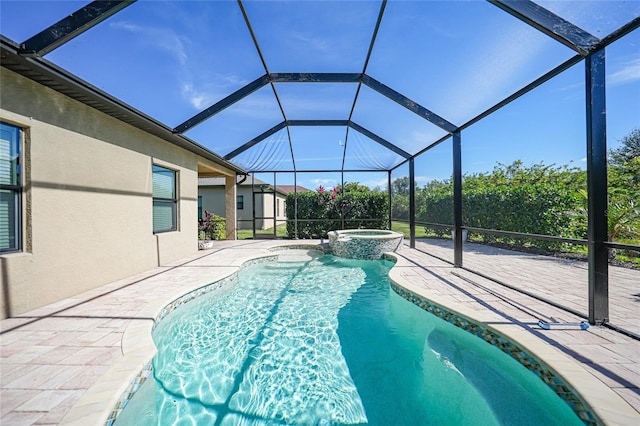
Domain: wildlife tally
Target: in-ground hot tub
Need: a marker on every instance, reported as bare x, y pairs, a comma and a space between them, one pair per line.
364, 243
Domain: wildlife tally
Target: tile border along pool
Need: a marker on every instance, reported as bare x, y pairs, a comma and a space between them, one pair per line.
430, 280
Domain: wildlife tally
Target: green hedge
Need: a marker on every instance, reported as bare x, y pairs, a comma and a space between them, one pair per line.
539, 199
360, 210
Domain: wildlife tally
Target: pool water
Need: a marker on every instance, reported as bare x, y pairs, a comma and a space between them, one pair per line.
318, 340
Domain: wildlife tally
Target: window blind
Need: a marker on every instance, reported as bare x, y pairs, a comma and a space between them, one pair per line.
164, 200
8, 207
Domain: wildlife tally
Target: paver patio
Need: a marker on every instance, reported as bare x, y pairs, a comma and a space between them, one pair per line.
563, 281
53, 357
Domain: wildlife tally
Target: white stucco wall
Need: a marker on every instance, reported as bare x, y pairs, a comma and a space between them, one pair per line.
87, 202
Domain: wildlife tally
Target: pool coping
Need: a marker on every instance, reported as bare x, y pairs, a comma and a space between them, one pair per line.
362, 234
106, 398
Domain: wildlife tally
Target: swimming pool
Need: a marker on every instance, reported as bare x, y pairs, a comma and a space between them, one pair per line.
315, 339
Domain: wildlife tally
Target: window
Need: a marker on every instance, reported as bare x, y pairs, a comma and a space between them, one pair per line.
10, 188
240, 202
200, 207
165, 203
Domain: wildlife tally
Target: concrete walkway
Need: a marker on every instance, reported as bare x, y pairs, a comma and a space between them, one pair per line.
54, 359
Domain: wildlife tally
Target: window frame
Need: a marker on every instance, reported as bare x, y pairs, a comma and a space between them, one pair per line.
16, 189
164, 200
239, 202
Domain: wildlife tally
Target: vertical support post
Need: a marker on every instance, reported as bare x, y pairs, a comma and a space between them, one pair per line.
342, 209
295, 205
389, 195
253, 206
275, 206
597, 187
457, 199
230, 206
412, 204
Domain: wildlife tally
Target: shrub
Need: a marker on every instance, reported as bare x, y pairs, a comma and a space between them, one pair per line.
538, 199
322, 211
213, 227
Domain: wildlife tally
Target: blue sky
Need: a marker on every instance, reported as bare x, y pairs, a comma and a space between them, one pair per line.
457, 58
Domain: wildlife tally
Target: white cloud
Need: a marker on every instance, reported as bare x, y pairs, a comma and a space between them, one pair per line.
316, 43
204, 95
198, 94
423, 138
579, 86
629, 73
376, 183
159, 38
324, 182
198, 99
421, 179
205, 90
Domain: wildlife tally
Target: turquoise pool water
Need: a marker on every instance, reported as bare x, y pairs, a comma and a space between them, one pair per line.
318, 340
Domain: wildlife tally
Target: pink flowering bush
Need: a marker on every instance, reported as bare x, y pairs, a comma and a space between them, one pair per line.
323, 210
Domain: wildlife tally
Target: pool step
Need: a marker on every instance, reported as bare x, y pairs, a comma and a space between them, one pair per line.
285, 266
297, 257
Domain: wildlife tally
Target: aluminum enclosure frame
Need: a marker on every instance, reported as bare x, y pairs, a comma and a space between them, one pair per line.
26, 58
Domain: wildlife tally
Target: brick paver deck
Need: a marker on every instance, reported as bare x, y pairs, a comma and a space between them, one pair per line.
53, 358
565, 281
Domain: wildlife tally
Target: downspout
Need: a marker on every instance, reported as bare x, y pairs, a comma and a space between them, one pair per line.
244, 177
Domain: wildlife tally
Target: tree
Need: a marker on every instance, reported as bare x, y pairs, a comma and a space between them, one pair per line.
353, 187
400, 186
629, 150
624, 220
400, 198
624, 189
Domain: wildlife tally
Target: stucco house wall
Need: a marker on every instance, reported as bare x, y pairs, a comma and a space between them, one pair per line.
213, 201
265, 207
212, 193
87, 198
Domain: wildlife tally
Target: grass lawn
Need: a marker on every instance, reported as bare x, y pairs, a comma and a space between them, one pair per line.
247, 234
404, 228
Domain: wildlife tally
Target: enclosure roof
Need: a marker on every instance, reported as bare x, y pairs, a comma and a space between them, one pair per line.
313, 85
